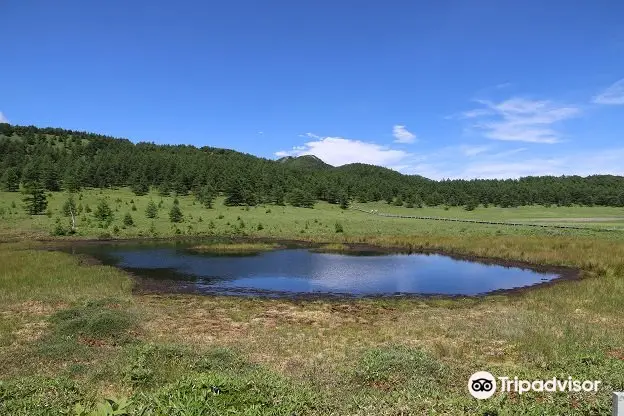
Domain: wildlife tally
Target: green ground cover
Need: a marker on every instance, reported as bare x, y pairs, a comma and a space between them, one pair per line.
72, 334
280, 221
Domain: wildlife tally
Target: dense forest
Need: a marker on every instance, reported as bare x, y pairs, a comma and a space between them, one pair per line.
56, 159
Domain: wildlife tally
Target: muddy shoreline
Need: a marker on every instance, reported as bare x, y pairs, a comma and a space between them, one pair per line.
144, 286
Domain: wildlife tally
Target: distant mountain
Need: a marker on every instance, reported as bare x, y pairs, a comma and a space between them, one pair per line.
304, 162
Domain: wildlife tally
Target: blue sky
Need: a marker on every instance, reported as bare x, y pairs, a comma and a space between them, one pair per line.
445, 89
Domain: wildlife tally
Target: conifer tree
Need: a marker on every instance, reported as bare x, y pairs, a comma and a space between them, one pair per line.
152, 210
35, 201
175, 214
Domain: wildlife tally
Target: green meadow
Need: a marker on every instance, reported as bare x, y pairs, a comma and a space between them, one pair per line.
75, 339
284, 221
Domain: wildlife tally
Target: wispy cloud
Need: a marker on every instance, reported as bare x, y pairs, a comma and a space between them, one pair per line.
402, 134
613, 95
578, 163
310, 136
340, 151
3, 119
520, 119
452, 163
477, 112
473, 150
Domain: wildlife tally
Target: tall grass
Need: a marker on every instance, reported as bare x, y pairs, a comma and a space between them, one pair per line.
234, 248
27, 275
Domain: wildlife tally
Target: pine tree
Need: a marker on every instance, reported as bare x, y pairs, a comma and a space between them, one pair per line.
71, 182
300, 198
206, 195
139, 185
278, 195
175, 214
50, 176
471, 204
10, 180
409, 201
343, 200
104, 214
31, 173
36, 200
164, 189
152, 210
338, 227
418, 202
296, 197
127, 220
234, 194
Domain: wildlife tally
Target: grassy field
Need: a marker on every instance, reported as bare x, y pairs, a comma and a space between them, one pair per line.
285, 221
72, 334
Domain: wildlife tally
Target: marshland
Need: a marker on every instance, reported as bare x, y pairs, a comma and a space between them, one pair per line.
75, 331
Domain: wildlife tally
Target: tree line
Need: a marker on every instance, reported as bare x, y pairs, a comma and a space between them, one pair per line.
36, 160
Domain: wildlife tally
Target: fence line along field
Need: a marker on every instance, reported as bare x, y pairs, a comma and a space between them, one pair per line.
545, 222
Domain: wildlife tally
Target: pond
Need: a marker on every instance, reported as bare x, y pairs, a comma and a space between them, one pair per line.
172, 267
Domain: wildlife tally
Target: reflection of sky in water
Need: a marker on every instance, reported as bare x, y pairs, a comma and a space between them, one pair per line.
303, 271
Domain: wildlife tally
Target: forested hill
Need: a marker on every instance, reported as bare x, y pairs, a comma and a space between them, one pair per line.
58, 159
304, 162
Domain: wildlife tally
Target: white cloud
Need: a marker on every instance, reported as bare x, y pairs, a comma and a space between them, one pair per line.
403, 135
453, 164
602, 162
614, 95
473, 150
340, 151
494, 170
3, 119
468, 161
310, 136
520, 119
508, 152
479, 112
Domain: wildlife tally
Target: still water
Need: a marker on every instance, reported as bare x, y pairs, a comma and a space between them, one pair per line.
299, 271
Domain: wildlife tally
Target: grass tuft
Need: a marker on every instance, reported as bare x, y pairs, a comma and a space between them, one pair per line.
94, 321
234, 248
398, 367
332, 248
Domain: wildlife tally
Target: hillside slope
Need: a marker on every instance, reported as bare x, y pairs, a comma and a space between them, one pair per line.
60, 159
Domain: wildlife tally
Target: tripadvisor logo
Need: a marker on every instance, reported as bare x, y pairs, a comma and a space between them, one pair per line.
483, 385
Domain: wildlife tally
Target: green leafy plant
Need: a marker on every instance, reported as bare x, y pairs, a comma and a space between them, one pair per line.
108, 407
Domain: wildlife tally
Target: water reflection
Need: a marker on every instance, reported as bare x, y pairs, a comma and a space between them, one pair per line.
299, 271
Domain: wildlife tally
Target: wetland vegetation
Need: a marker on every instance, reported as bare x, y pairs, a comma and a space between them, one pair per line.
74, 333
233, 248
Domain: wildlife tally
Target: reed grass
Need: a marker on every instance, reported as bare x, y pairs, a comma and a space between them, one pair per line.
234, 248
